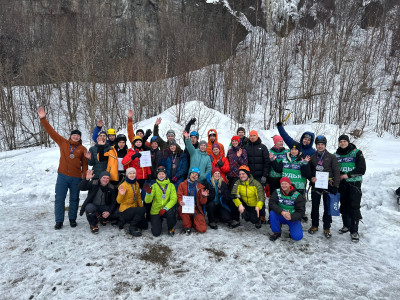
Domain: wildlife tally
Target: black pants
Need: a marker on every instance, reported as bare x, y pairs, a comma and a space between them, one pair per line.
250, 214
133, 215
215, 211
92, 211
350, 204
316, 200
232, 181
156, 221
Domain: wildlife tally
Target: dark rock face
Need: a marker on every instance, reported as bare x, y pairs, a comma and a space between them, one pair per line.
46, 40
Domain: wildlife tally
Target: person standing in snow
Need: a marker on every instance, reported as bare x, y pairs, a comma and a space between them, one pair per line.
306, 140
139, 132
170, 136
241, 132
130, 202
162, 196
194, 138
323, 161
198, 158
71, 169
248, 196
115, 156
111, 133
96, 157
287, 206
175, 162
279, 152
100, 204
156, 156
352, 168
213, 139
237, 157
192, 188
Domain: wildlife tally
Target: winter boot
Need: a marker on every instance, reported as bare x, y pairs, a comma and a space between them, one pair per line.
94, 229
213, 225
58, 225
304, 219
133, 230
102, 221
258, 224
327, 233
171, 232
72, 223
187, 231
275, 236
312, 230
355, 238
344, 229
234, 224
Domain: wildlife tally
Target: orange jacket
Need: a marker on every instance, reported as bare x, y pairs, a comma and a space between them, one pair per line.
112, 165
209, 145
131, 133
200, 200
130, 199
74, 167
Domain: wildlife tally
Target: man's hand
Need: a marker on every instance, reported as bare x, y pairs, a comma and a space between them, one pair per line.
100, 123
101, 141
158, 121
307, 158
286, 215
344, 176
130, 114
105, 214
241, 208
89, 174
313, 179
258, 211
41, 113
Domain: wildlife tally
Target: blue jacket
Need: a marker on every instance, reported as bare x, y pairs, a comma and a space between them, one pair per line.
182, 165
306, 150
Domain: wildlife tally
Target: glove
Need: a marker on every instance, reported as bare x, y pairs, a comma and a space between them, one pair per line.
220, 163
279, 124
81, 212
333, 190
162, 212
174, 179
136, 155
192, 121
148, 132
263, 180
147, 187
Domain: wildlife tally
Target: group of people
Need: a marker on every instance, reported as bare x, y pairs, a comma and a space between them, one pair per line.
205, 182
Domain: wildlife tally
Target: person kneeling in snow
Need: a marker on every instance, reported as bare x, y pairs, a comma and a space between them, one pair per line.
100, 204
287, 206
131, 208
248, 196
163, 195
191, 188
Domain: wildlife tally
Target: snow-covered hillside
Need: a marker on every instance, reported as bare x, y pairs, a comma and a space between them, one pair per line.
41, 263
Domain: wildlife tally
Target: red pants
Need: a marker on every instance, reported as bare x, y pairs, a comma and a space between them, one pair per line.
196, 220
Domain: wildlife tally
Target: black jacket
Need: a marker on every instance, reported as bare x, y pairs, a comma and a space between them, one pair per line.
304, 169
299, 206
93, 186
330, 164
258, 159
222, 191
360, 160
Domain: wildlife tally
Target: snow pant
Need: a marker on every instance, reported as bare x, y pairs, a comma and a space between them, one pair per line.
215, 211
147, 206
316, 200
64, 183
250, 214
134, 216
196, 220
93, 212
296, 231
156, 221
350, 204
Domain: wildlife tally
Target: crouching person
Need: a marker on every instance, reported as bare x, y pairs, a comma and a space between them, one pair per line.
248, 196
287, 206
100, 204
191, 188
130, 202
162, 195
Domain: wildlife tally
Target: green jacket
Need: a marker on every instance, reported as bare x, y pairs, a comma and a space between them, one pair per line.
156, 196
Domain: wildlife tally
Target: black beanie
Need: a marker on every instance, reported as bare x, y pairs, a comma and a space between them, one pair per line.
104, 173
76, 131
344, 137
140, 130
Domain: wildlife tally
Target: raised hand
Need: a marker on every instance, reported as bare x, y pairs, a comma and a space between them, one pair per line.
89, 174
239, 153
41, 113
186, 134
307, 158
101, 141
88, 155
271, 156
122, 190
100, 123
205, 193
158, 121
130, 114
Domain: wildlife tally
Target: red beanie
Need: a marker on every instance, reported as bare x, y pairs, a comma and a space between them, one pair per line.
277, 138
215, 169
285, 179
253, 132
235, 138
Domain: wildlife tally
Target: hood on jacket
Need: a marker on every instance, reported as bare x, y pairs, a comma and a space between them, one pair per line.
216, 136
346, 150
312, 140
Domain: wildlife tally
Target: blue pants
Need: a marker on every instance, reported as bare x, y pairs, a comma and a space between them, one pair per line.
64, 183
296, 231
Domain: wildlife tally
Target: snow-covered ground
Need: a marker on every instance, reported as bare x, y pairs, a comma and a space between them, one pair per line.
41, 263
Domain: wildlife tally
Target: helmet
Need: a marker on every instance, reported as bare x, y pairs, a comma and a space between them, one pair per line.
320, 139
170, 132
137, 138
195, 170
111, 131
154, 139
194, 133
161, 169
121, 137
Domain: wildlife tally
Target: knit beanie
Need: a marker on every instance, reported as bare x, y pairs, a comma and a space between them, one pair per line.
202, 142
253, 132
285, 179
104, 173
76, 131
215, 169
245, 169
344, 137
215, 145
130, 170
235, 138
277, 138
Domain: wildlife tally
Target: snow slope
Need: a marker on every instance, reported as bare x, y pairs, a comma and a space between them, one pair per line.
41, 263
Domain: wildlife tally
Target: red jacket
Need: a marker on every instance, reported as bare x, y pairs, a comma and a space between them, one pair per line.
141, 173
200, 200
225, 168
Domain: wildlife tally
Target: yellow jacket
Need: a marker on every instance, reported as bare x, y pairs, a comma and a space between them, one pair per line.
249, 192
130, 199
112, 165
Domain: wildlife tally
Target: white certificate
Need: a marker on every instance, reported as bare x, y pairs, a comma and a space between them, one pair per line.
145, 159
322, 180
120, 165
188, 208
